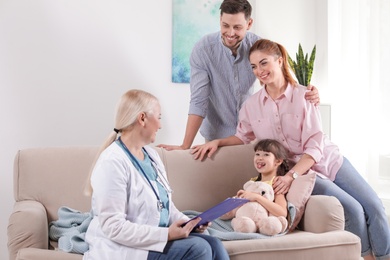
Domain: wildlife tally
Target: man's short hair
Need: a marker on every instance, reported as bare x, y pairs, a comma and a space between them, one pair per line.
235, 7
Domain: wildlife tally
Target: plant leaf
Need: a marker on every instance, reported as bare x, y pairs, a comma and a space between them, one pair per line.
311, 64
302, 67
301, 62
291, 63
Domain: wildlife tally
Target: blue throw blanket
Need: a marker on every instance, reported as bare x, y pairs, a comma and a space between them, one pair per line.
223, 230
69, 230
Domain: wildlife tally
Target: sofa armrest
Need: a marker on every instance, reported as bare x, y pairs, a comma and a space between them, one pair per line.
323, 214
27, 227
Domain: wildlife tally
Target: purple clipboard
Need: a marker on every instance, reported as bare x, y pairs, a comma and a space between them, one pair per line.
218, 210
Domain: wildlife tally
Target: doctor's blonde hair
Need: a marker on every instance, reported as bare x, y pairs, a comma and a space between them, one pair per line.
131, 104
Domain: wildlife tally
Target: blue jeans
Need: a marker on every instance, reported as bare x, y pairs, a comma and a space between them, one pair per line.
364, 212
196, 246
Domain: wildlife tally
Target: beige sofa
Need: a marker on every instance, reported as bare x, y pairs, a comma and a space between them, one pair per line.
47, 178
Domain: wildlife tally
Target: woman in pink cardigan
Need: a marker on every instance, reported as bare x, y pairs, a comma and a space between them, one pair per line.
279, 111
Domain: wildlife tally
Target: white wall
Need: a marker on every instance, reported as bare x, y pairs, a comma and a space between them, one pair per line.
65, 63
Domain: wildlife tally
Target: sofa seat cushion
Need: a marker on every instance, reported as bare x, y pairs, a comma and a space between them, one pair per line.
297, 245
40, 254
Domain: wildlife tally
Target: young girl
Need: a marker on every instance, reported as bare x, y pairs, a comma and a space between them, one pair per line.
270, 160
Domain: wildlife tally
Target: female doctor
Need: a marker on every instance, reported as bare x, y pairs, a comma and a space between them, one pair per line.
134, 216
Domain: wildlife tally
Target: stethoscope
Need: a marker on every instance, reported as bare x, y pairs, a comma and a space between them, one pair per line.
160, 177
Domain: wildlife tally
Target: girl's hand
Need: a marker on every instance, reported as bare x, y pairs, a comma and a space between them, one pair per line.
282, 184
247, 195
177, 231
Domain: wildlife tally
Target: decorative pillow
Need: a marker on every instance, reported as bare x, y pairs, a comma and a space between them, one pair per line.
299, 193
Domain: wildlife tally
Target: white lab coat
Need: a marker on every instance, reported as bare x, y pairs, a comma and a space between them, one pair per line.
126, 218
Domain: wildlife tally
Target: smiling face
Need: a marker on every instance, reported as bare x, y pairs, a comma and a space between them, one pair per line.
267, 68
233, 29
266, 163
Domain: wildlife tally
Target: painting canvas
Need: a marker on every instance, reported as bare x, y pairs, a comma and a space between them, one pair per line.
191, 20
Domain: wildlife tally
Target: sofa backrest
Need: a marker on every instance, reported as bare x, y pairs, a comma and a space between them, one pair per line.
198, 185
56, 176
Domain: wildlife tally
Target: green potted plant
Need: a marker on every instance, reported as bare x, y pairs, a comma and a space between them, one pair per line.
302, 67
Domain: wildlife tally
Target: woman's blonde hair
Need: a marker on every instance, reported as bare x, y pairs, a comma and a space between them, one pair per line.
131, 104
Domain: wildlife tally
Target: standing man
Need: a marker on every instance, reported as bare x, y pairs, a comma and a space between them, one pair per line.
221, 76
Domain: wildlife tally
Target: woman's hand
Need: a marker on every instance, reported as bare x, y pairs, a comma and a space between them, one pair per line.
177, 231
282, 184
200, 151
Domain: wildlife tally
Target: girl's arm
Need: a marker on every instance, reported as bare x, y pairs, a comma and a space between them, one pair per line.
278, 207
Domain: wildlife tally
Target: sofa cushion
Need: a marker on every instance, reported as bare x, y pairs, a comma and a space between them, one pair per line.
39, 254
299, 193
338, 245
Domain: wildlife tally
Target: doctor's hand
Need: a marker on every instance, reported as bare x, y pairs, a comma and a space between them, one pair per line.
202, 228
177, 231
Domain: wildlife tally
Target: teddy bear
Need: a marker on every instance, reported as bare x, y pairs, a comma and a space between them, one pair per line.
252, 217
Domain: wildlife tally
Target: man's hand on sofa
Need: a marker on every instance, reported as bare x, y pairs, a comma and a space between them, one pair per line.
200, 151
172, 147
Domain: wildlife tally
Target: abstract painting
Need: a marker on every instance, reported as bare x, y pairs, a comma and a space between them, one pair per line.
192, 19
